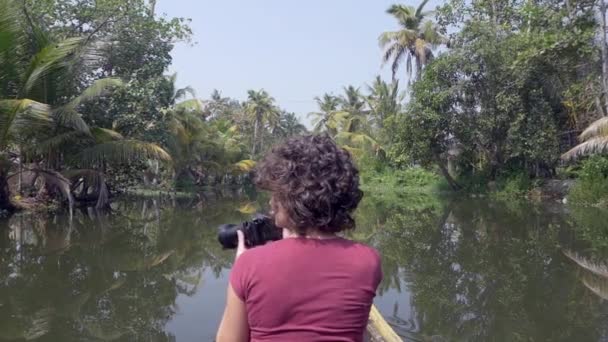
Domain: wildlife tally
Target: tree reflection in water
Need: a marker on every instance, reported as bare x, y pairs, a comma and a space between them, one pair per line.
107, 276
479, 271
470, 270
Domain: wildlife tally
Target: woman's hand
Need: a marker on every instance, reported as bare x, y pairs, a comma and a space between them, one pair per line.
241, 248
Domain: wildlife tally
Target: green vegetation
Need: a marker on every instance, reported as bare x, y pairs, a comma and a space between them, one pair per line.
86, 109
592, 185
410, 180
497, 95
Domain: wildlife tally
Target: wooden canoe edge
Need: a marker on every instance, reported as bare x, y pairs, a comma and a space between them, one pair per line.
379, 330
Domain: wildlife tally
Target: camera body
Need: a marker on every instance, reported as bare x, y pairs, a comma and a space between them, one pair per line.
258, 231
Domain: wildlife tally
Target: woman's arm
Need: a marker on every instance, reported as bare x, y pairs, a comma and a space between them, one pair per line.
234, 326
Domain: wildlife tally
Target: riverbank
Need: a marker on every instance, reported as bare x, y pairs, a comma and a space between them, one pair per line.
580, 188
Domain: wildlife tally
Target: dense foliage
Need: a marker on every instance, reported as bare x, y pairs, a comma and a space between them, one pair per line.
498, 92
86, 107
518, 83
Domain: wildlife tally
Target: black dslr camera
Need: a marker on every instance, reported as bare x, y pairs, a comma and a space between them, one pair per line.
257, 232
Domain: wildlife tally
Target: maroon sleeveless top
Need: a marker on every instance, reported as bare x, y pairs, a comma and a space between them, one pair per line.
301, 289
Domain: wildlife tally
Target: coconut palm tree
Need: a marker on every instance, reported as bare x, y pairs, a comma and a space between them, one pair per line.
353, 103
384, 100
289, 125
326, 119
413, 42
39, 112
262, 111
594, 139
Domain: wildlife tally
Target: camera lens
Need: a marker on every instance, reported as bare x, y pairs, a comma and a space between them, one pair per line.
227, 235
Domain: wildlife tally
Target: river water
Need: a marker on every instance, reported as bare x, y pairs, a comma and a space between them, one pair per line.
454, 269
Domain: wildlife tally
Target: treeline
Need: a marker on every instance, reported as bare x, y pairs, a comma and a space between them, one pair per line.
498, 90
515, 86
86, 106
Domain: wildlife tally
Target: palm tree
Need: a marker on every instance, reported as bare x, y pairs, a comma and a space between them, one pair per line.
384, 100
34, 114
353, 103
177, 94
414, 42
325, 120
594, 139
262, 111
289, 125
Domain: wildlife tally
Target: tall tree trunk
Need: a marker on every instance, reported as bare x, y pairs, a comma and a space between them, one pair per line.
261, 133
446, 174
255, 134
152, 7
604, 52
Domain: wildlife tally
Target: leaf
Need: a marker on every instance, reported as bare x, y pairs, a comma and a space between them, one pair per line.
58, 141
10, 31
71, 119
120, 152
591, 146
595, 268
51, 57
16, 115
597, 285
246, 165
599, 128
99, 88
102, 135
181, 93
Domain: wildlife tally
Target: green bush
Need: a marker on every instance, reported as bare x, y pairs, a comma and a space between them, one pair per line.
591, 187
514, 185
413, 179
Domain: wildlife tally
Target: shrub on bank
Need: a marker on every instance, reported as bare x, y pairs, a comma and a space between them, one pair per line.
591, 187
414, 179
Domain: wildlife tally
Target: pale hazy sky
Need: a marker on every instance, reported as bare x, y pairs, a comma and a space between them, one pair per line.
296, 50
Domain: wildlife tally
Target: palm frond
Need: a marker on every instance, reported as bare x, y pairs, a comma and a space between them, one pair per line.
181, 93
386, 38
358, 139
591, 146
431, 34
193, 105
58, 141
16, 115
99, 88
102, 135
397, 60
12, 41
120, 152
597, 285
589, 265
420, 8
404, 14
71, 119
596, 129
10, 30
48, 59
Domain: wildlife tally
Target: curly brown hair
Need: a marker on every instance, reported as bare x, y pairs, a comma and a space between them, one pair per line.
314, 180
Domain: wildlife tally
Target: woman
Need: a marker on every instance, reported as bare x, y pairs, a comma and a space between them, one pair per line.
313, 285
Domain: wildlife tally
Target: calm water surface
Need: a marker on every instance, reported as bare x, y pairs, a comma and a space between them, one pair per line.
455, 270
